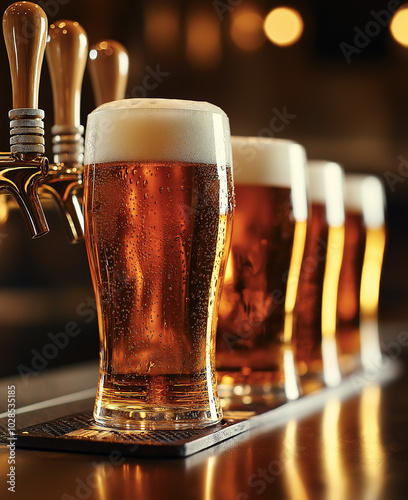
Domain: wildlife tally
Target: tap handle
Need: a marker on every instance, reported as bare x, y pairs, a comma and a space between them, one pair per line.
109, 68
67, 51
25, 30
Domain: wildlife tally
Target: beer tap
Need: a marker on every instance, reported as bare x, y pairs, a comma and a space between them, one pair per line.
66, 56
25, 30
109, 68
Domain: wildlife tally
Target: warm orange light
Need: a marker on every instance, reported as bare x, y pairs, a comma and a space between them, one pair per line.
371, 446
3, 210
335, 247
292, 476
335, 472
247, 28
162, 27
371, 273
229, 272
283, 26
203, 39
293, 277
399, 26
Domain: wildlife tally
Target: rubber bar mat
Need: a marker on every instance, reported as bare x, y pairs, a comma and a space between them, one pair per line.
79, 433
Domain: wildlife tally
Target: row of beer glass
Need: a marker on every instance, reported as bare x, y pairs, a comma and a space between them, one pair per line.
291, 308
300, 298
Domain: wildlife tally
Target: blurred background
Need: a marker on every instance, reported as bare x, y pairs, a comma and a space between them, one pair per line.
330, 75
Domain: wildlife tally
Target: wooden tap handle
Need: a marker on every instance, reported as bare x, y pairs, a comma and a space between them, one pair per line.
25, 31
66, 52
109, 68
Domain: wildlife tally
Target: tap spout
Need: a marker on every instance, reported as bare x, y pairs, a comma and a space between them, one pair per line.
20, 176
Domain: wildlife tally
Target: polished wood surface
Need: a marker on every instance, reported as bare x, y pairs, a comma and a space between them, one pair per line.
354, 449
109, 67
25, 29
67, 53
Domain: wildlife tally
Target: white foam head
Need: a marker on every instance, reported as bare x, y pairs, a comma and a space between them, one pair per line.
158, 130
264, 161
325, 185
365, 194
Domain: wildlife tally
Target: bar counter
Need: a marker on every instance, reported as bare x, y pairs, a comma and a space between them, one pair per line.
356, 448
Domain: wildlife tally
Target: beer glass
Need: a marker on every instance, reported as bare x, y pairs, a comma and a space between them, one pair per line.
255, 361
316, 311
357, 308
158, 212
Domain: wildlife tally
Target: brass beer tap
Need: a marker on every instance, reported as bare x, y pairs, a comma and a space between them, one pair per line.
25, 30
109, 69
66, 54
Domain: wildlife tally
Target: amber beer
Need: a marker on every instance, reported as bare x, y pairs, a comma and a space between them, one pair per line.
254, 330
348, 304
158, 212
316, 315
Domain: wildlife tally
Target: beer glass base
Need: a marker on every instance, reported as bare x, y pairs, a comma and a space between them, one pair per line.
251, 395
349, 363
127, 418
158, 403
256, 388
311, 374
312, 382
349, 349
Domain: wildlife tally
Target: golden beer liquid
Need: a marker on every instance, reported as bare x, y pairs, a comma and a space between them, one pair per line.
251, 322
371, 273
157, 236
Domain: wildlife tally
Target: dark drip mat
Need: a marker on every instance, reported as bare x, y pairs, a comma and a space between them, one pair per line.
79, 432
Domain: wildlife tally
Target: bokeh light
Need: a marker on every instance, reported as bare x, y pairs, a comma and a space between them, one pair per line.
399, 26
247, 28
203, 39
162, 27
283, 26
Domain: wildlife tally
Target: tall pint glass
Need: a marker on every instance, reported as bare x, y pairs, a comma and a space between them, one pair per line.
158, 213
255, 361
315, 331
357, 308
